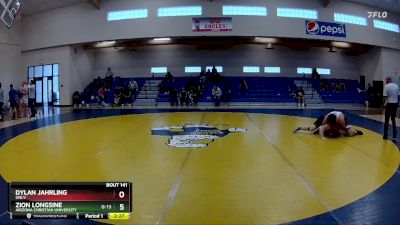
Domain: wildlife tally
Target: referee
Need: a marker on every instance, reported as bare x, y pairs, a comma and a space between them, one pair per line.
391, 100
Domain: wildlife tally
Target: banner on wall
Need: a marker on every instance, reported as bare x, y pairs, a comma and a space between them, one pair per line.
325, 29
212, 24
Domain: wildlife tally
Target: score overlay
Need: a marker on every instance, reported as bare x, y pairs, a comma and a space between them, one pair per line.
100, 200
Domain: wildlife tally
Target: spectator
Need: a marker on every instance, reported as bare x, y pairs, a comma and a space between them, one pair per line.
301, 97
184, 97
101, 96
195, 95
12, 95
76, 98
202, 80
243, 87
31, 98
1, 104
208, 74
117, 96
127, 96
133, 86
216, 93
173, 97
108, 81
191, 83
214, 71
109, 72
168, 76
23, 99
315, 75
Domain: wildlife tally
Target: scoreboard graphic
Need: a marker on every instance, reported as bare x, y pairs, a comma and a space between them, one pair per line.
106, 200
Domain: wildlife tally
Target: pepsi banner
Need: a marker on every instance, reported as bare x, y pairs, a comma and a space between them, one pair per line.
212, 24
325, 29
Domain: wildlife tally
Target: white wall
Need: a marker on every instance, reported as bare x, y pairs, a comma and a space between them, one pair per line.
81, 68
371, 65
176, 57
82, 22
380, 63
11, 71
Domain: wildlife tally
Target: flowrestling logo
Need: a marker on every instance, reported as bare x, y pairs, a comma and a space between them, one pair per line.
325, 29
193, 135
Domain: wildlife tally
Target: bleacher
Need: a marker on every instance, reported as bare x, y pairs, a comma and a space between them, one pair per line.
261, 90
349, 95
90, 96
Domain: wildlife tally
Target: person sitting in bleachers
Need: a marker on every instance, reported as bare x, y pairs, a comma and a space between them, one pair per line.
301, 97
323, 85
117, 96
342, 86
208, 74
101, 96
216, 93
202, 80
126, 96
173, 97
243, 87
194, 96
191, 83
76, 98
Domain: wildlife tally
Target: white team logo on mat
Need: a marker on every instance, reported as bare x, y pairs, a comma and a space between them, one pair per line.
193, 135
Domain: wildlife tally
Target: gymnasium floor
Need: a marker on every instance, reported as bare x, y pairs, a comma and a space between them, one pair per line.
258, 173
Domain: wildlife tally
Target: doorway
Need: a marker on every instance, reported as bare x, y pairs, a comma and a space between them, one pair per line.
45, 78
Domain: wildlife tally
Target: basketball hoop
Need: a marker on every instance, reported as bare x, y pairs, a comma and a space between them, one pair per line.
17, 15
10, 11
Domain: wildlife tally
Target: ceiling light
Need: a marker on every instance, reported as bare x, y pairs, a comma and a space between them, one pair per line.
339, 44
161, 39
265, 40
105, 44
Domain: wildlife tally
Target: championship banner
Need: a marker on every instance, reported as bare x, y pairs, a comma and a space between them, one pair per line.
212, 24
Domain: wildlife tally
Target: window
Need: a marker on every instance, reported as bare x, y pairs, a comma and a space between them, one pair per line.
251, 69
46, 79
244, 10
192, 69
301, 70
127, 14
297, 13
30, 72
220, 69
55, 69
386, 26
48, 71
159, 69
180, 11
346, 18
272, 69
38, 71
324, 71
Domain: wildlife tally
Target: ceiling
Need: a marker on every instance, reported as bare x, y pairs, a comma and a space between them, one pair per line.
35, 6
389, 5
224, 43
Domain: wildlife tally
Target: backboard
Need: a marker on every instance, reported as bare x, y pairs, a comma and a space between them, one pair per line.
8, 10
